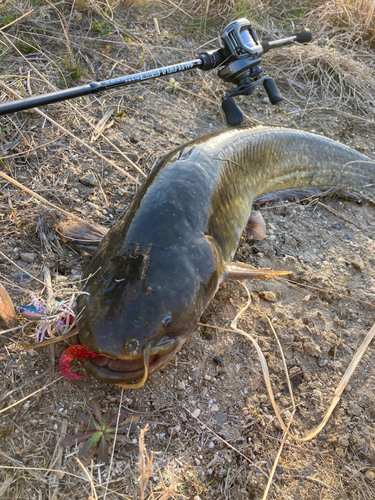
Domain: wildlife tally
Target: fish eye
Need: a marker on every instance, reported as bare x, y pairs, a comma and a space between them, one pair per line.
167, 321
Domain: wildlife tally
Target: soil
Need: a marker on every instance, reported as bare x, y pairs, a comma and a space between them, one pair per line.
211, 427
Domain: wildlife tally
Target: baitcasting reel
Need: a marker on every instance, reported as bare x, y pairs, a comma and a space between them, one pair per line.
238, 61
240, 57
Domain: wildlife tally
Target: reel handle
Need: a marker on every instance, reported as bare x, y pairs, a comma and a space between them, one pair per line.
232, 112
272, 91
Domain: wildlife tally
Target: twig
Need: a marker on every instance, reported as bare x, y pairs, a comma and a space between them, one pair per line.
339, 390
83, 143
30, 395
18, 267
114, 444
89, 477
16, 20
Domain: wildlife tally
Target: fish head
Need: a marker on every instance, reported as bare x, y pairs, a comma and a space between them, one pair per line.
148, 298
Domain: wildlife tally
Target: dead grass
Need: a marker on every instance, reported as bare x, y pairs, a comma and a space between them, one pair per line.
330, 73
356, 18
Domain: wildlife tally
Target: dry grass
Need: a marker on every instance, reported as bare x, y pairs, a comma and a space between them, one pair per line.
329, 73
353, 17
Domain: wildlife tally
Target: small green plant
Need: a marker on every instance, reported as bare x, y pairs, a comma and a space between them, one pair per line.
7, 19
103, 27
75, 69
4, 130
26, 47
172, 87
99, 430
296, 12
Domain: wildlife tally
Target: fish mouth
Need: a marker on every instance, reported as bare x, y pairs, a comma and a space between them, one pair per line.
123, 372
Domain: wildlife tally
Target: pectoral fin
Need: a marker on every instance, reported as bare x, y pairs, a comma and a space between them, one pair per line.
241, 271
81, 235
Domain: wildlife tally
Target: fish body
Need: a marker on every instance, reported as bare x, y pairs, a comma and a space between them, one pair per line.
158, 268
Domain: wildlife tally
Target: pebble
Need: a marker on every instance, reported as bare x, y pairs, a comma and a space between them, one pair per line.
272, 237
370, 475
89, 180
180, 386
196, 413
270, 296
214, 407
28, 257
174, 430
321, 362
211, 445
357, 262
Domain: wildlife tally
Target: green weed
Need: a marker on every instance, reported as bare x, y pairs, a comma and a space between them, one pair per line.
75, 70
103, 27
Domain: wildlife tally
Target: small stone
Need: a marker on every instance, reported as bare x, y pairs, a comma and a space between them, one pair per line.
370, 475
196, 413
272, 237
306, 298
28, 257
321, 362
357, 262
287, 414
270, 296
197, 461
343, 441
89, 180
214, 407
174, 430
336, 227
180, 386
208, 377
211, 445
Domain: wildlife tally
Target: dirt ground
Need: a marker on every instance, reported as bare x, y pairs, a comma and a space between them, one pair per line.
211, 427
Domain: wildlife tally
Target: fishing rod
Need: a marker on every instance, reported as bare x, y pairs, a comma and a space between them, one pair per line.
238, 60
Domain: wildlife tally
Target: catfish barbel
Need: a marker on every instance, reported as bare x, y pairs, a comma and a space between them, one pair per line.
157, 269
